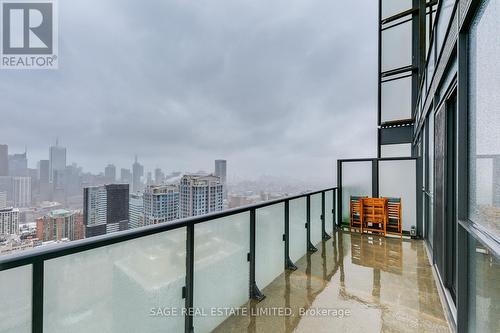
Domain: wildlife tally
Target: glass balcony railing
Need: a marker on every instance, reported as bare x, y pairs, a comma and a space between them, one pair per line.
166, 277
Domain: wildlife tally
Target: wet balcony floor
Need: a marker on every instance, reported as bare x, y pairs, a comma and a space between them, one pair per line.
353, 283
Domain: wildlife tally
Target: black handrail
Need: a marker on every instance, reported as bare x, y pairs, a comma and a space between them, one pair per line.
59, 250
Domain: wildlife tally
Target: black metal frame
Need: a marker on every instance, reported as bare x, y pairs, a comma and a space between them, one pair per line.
375, 182
37, 257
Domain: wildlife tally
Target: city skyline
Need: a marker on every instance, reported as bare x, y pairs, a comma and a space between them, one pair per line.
278, 105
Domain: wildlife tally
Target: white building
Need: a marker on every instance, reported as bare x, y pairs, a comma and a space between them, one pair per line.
161, 204
9, 221
21, 191
200, 194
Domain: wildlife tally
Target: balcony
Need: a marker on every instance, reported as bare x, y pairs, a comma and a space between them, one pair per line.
268, 267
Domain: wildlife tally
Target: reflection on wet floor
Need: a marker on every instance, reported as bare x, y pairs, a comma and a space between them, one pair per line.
353, 283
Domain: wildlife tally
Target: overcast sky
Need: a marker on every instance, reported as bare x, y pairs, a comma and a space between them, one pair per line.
276, 87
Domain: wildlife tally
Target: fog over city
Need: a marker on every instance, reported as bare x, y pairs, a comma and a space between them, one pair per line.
281, 88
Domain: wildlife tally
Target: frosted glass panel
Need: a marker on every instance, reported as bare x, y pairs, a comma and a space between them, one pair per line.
316, 218
484, 289
399, 150
393, 7
396, 47
15, 304
297, 234
396, 99
484, 121
221, 268
397, 179
117, 288
356, 181
269, 245
328, 212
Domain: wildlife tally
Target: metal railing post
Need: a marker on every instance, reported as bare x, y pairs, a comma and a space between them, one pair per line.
254, 292
37, 297
310, 246
325, 235
286, 237
188, 293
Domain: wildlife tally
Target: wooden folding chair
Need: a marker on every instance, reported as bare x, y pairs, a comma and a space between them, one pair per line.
356, 214
394, 217
374, 213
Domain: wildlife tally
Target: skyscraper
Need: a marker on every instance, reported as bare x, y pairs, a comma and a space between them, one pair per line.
137, 173
18, 165
21, 191
4, 160
45, 192
159, 176
110, 173
161, 204
200, 194
221, 172
126, 176
57, 159
105, 209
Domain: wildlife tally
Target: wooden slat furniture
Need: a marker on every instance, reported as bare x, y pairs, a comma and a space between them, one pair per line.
394, 220
374, 215
356, 214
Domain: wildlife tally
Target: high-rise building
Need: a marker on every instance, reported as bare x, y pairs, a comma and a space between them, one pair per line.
57, 159
110, 173
21, 191
117, 202
4, 160
137, 173
200, 194
126, 176
105, 209
221, 172
9, 221
136, 210
59, 224
3, 199
94, 210
159, 176
161, 204
18, 165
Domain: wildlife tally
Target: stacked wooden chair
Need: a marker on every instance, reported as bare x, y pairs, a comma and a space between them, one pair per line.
374, 212
356, 214
394, 221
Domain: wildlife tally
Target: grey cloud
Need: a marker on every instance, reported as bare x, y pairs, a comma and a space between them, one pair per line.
277, 87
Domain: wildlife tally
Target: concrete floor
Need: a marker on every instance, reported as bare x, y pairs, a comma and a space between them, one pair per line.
353, 283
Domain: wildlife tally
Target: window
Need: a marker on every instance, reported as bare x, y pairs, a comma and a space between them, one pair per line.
484, 118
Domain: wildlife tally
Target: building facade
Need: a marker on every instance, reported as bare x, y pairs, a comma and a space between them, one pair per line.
57, 160
221, 172
110, 173
199, 195
439, 104
105, 209
136, 210
137, 173
58, 225
21, 191
4, 160
9, 221
161, 204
